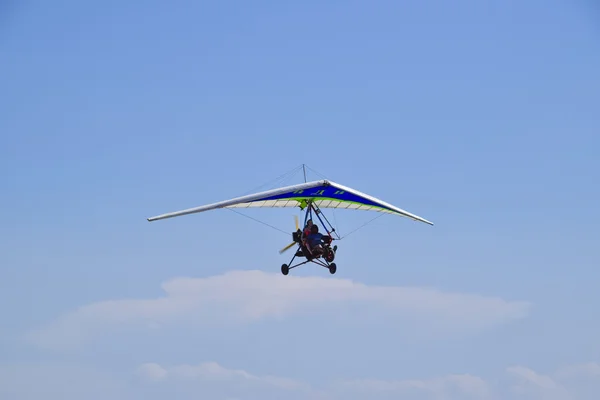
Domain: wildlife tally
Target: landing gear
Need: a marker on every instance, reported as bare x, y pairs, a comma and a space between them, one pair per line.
325, 263
323, 254
285, 269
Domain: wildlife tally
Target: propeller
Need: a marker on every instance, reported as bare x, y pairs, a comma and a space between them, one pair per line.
286, 248
289, 246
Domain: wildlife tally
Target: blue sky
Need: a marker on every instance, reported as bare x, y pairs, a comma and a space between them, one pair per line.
481, 117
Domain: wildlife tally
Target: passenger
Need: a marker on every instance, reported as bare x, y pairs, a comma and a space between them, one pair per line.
315, 239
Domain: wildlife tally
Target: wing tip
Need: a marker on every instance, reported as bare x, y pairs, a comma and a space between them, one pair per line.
419, 219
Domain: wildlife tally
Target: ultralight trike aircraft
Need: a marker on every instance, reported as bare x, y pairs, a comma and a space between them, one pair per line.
312, 197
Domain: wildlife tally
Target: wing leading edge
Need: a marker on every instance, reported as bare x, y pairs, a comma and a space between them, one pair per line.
323, 193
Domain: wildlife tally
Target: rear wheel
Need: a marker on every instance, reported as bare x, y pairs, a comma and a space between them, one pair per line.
332, 268
329, 255
285, 269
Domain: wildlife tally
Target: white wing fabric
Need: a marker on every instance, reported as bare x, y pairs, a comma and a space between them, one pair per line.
323, 193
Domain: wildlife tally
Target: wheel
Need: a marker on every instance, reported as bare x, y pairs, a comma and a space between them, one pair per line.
330, 256
332, 268
285, 269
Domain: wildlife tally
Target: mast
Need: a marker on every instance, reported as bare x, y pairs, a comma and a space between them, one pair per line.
304, 170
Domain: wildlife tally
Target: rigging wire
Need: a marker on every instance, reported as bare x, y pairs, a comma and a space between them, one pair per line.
335, 220
276, 181
259, 221
362, 226
317, 172
289, 177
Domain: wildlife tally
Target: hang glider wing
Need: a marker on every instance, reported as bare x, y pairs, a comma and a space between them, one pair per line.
323, 193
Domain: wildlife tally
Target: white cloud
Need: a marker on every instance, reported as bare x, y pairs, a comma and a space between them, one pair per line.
61, 381
212, 371
532, 385
589, 369
245, 296
215, 381
211, 380
523, 384
152, 371
573, 382
462, 386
